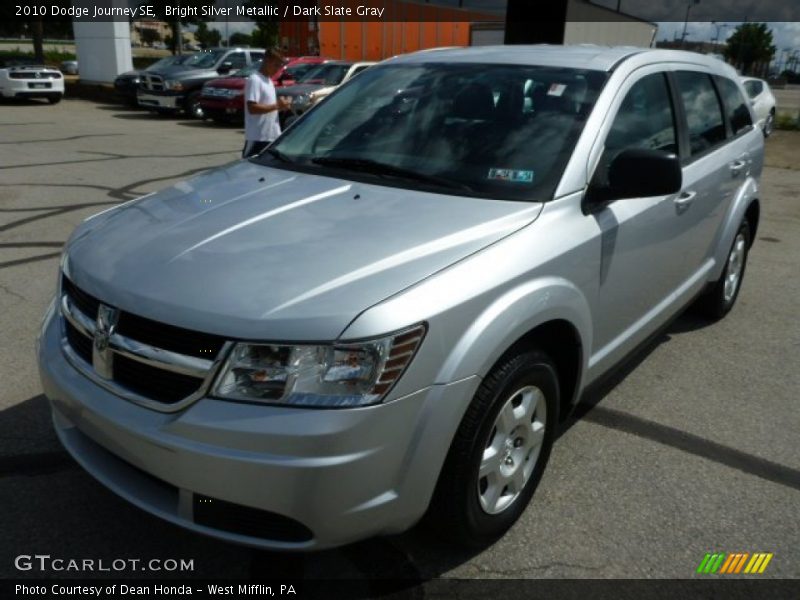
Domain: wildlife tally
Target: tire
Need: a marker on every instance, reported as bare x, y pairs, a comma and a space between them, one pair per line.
769, 124
193, 108
719, 301
54, 99
473, 509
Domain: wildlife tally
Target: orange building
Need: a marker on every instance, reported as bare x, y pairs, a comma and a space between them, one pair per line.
408, 26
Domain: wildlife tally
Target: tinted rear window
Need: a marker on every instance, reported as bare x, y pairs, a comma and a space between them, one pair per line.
735, 105
703, 111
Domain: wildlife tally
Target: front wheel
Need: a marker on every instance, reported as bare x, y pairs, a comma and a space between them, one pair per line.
499, 452
193, 107
54, 99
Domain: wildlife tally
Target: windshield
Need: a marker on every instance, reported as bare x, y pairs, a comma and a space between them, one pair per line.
297, 72
204, 60
168, 62
326, 74
499, 131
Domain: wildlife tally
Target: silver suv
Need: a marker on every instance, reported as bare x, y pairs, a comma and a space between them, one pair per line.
388, 312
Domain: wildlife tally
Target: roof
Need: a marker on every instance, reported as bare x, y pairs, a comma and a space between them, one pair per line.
582, 56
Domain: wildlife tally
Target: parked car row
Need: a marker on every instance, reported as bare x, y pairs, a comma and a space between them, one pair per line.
210, 84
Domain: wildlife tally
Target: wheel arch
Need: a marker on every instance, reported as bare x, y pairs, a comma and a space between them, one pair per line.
550, 314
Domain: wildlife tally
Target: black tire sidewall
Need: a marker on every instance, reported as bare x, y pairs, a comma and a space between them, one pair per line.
526, 369
726, 306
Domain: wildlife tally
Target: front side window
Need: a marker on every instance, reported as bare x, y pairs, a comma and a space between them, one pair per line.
645, 120
703, 111
735, 105
237, 60
498, 131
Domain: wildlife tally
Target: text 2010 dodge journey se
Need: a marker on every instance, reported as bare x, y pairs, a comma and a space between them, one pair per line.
387, 313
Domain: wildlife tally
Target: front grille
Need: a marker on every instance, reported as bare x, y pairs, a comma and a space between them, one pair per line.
169, 337
139, 359
86, 303
235, 518
152, 382
81, 344
152, 82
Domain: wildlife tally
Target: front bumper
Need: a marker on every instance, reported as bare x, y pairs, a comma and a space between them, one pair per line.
230, 108
159, 101
342, 475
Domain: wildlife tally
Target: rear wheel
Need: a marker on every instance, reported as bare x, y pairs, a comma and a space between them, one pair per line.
499, 452
720, 299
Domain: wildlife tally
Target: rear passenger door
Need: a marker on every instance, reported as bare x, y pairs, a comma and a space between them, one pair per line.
714, 158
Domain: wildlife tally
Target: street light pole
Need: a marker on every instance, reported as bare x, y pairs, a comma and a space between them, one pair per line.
686, 20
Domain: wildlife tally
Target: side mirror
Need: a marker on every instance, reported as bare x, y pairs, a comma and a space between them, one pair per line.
225, 68
641, 173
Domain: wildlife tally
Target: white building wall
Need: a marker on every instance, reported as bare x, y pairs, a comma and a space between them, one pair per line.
103, 48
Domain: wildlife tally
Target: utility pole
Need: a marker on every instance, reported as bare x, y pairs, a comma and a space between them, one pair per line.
686, 20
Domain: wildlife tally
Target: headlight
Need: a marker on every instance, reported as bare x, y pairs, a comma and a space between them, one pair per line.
334, 375
174, 85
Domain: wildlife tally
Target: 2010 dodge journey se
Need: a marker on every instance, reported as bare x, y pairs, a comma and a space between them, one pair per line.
387, 313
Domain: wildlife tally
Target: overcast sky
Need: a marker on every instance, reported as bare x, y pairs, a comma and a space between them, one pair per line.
786, 35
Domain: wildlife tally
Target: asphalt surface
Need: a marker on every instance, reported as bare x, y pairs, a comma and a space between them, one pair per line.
692, 448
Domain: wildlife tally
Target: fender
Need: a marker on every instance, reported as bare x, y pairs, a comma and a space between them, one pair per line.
511, 316
747, 194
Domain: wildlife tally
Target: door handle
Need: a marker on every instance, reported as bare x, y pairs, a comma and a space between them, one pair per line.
685, 199
737, 166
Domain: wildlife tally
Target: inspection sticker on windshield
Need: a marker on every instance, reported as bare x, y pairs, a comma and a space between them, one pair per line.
556, 89
511, 175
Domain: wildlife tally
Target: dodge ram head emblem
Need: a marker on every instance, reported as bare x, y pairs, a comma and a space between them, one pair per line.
102, 356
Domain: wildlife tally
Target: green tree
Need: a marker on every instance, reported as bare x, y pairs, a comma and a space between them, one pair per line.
750, 45
149, 36
241, 39
208, 38
265, 34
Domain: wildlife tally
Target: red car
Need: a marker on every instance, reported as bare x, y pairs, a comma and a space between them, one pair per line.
223, 99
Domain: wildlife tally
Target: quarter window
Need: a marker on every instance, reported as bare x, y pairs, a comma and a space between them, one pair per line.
703, 111
753, 87
735, 106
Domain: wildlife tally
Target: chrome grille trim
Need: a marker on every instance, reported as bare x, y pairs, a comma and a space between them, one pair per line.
200, 368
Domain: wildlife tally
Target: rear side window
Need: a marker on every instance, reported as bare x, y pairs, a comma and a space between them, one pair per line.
703, 111
735, 106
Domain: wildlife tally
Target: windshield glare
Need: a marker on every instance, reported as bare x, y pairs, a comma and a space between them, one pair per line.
326, 74
500, 131
204, 60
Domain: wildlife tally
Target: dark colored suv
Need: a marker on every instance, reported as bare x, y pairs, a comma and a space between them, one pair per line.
177, 87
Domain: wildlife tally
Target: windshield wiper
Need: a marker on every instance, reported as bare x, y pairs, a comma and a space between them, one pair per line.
375, 167
279, 155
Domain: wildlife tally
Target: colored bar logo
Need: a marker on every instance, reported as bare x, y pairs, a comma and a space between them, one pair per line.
734, 563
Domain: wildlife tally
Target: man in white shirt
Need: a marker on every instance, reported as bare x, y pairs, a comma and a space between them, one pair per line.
261, 108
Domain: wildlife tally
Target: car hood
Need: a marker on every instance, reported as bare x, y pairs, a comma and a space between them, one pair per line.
300, 89
252, 252
232, 83
183, 72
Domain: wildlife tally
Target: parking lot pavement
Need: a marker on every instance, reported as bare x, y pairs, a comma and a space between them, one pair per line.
691, 448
